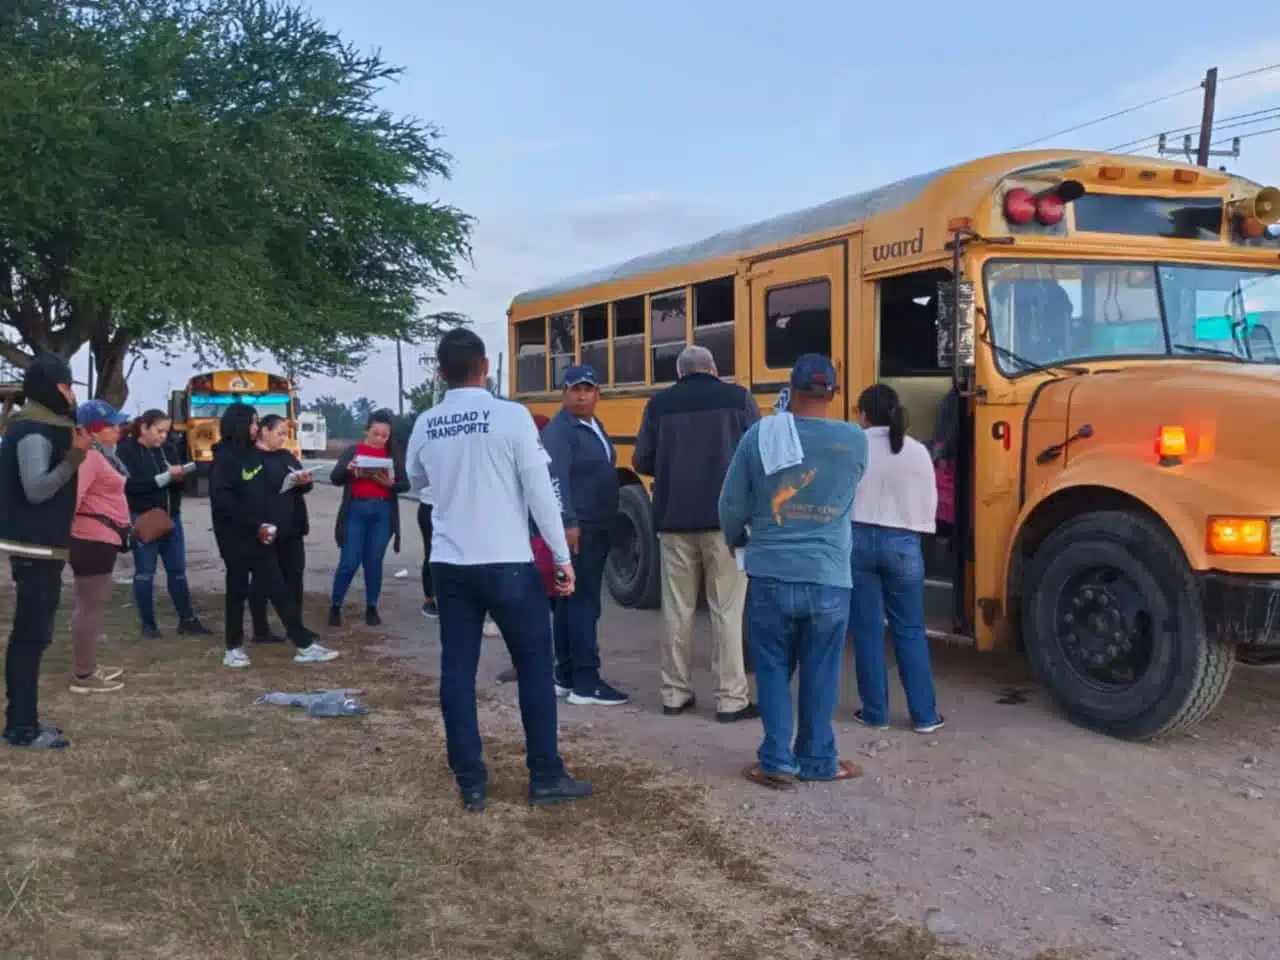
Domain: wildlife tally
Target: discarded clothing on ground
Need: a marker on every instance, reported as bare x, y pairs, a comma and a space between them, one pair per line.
322, 703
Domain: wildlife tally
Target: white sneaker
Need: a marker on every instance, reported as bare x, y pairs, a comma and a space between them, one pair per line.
563, 692
235, 658
316, 654
491, 629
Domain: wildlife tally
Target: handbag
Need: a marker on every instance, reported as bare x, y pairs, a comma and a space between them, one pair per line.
150, 525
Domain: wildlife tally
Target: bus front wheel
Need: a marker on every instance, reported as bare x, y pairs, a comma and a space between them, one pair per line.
634, 570
1115, 630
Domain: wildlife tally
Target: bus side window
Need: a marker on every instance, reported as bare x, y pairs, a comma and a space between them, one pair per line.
628, 341
531, 356
562, 347
798, 321
713, 317
595, 339
668, 313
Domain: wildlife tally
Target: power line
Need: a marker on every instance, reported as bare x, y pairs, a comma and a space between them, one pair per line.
1143, 106
1240, 119
1246, 136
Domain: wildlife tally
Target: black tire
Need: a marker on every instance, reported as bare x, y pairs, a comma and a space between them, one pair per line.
634, 571
1151, 598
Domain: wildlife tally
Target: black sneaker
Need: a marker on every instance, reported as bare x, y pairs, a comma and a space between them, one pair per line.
41, 738
371, 618
335, 616
194, 628
857, 715
473, 800
601, 695
429, 608
558, 791
268, 637
151, 631
749, 712
682, 709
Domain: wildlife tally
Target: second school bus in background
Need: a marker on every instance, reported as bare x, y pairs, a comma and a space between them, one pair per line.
1106, 322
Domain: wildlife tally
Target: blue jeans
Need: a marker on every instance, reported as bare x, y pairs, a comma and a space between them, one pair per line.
368, 533
798, 626
513, 595
888, 580
171, 550
577, 616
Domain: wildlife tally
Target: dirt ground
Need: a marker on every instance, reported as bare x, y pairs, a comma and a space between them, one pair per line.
1009, 832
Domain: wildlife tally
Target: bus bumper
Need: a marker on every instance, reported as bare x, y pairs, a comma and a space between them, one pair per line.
1243, 611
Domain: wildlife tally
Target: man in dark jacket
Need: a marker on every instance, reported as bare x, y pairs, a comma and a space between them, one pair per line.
41, 453
687, 438
584, 468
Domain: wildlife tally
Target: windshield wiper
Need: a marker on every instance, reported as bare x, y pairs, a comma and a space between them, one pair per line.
1210, 351
1051, 369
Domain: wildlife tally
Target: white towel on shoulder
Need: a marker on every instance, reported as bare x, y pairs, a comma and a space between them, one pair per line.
779, 443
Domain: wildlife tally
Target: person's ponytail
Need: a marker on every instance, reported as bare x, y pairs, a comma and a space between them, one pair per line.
897, 428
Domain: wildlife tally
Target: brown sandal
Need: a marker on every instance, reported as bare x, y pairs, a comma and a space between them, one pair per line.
845, 770
762, 778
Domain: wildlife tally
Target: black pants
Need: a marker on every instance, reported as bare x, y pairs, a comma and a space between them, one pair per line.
39, 588
291, 556
424, 524
262, 569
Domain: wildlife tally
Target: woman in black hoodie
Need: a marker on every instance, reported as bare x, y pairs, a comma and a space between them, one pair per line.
245, 506
289, 510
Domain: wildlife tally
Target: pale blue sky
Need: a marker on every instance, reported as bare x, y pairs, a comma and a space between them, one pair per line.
585, 133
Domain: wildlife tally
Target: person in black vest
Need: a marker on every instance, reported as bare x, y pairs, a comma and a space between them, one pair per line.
42, 450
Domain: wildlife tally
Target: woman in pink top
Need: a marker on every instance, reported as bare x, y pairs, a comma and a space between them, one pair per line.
100, 526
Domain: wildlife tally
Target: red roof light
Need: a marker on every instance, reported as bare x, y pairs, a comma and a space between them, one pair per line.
1019, 206
1050, 209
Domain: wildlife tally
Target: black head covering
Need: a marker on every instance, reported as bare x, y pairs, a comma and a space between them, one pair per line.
237, 420
40, 383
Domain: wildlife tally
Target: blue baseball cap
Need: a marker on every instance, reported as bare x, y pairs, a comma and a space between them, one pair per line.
94, 412
813, 372
579, 374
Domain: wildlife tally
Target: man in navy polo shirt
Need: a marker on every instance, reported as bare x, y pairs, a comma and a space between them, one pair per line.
584, 467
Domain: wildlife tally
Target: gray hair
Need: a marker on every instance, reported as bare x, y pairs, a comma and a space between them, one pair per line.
695, 359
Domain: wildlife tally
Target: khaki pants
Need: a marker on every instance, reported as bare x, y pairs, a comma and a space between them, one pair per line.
687, 560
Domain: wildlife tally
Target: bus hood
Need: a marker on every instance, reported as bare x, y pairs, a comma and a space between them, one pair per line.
1229, 413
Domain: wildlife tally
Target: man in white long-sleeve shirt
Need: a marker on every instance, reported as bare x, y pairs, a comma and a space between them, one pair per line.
488, 474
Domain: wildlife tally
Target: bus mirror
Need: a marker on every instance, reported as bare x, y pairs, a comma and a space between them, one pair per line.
178, 407
955, 324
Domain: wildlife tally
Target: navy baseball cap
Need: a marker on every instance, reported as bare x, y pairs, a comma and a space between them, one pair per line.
93, 412
580, 374
813, 372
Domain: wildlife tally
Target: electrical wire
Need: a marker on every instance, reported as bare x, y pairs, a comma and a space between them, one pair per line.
1235, 120
1143, 106
1246, 136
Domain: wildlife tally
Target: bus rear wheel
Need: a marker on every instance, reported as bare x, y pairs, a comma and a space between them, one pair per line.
1115, 630
634, 570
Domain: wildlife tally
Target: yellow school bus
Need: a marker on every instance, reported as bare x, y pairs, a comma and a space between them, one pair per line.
1106, 324
197, 411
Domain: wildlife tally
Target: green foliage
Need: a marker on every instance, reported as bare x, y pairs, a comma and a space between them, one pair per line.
215, 172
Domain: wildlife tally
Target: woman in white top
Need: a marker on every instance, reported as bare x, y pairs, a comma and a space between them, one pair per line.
896, 502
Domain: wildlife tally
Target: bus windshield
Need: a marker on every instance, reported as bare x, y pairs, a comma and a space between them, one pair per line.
215, 404
1052, 312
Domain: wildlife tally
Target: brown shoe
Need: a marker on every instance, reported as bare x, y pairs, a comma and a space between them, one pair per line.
95, 684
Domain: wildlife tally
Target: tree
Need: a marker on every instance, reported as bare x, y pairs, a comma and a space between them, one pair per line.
215, 173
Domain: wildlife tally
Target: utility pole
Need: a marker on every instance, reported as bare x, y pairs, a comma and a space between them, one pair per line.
1202, 150
1210, 87
400, 376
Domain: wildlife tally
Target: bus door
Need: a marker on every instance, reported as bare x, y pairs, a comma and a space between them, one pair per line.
799, 305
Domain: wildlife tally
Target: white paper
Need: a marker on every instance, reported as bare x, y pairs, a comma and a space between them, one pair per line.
363, 462
189, 467
740, 558
292, 479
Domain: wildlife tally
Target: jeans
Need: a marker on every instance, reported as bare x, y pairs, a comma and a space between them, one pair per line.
512, 594
798, 626
39, 588
578, 615
368, 533
291, 555
425, 528
171, 549
888, 580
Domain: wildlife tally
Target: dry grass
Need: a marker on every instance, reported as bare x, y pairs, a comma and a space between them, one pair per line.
187, 822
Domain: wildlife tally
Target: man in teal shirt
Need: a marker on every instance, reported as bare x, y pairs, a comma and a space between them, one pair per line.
788, 497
